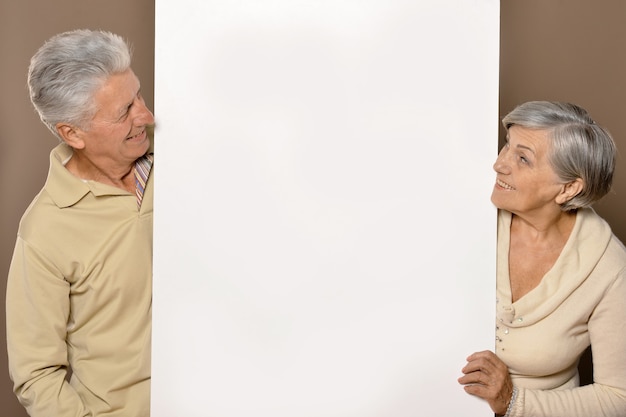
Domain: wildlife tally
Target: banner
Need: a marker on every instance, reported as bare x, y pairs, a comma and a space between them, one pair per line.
324, 238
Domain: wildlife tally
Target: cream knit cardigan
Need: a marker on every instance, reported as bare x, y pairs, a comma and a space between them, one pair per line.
580, 301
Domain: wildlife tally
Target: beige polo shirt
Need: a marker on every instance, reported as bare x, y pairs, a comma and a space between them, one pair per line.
79, 297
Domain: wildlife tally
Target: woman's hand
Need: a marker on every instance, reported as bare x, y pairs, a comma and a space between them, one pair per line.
487, 377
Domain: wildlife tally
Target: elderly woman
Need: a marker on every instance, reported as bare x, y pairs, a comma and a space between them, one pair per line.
561, 273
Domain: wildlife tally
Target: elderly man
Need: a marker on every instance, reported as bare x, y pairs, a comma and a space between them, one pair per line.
79, 288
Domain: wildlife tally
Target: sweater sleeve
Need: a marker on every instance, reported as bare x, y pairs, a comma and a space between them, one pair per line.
606, 397
37, 312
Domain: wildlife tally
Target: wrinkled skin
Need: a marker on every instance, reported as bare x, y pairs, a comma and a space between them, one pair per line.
487, 377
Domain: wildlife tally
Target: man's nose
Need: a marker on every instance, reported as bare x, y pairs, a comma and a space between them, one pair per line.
144, 116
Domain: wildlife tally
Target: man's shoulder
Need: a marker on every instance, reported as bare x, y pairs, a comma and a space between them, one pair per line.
40, 212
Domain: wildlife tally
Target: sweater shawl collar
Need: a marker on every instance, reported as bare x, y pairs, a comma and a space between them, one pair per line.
584, 248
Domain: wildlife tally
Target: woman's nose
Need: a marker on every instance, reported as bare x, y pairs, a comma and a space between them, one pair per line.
501, 165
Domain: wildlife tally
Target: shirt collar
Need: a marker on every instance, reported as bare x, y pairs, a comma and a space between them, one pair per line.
64, 188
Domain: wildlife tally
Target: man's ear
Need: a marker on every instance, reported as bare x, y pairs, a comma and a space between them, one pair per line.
570, 190
70, 135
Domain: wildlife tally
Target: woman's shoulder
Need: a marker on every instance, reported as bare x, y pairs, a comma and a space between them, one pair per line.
616, 251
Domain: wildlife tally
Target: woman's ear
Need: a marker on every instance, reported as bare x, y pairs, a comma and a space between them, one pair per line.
570, 190
70, 135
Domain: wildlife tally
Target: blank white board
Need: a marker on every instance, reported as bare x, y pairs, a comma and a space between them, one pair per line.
324, 241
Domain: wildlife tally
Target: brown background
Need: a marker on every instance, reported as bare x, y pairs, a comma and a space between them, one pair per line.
567, 50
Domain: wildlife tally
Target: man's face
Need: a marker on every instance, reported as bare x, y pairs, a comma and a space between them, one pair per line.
116, 135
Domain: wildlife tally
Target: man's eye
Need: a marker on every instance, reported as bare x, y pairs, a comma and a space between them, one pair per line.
124, 115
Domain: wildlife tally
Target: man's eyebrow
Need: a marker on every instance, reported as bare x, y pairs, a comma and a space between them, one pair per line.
124, 108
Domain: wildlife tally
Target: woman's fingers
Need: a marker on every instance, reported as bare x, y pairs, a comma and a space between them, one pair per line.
487, 377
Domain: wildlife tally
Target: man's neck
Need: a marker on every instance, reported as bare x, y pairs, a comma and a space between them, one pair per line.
115, 175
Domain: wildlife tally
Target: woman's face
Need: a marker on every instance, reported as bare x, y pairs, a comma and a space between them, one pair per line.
526, 182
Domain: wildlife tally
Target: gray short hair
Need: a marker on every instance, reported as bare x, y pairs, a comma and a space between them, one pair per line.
580, 148
65, 73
